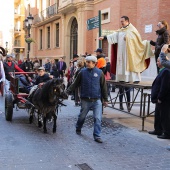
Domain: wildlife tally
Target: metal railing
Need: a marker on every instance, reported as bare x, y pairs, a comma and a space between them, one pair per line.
45, 14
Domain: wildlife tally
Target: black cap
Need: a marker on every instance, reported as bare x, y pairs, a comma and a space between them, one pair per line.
99, 50
75, 56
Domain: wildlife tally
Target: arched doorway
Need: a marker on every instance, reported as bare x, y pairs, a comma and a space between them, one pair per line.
73, 38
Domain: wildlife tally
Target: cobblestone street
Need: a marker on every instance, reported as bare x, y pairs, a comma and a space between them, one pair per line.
25, 146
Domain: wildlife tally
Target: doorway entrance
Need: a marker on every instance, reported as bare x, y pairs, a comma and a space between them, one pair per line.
73, 38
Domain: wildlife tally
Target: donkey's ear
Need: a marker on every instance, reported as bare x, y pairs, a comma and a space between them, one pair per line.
54, 80
60, 80
64, 87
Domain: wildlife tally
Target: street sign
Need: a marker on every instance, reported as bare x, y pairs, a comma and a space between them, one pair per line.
93, 23
148, 28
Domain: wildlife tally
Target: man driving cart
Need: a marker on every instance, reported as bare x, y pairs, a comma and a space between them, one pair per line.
40, 80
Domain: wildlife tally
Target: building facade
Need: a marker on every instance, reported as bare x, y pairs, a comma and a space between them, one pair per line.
60, 26
19, 33
7, 25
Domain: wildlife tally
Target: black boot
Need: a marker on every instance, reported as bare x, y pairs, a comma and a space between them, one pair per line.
121, 106
128, 107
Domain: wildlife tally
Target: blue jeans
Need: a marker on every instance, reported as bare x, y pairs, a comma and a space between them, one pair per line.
97, 115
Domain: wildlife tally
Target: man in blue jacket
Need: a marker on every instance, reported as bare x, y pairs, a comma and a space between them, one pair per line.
93, 89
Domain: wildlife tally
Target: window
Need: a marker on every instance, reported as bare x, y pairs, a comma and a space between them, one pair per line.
57, 35
105, 16
41, 39
48, 37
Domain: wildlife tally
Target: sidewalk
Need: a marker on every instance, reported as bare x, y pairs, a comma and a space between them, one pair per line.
25, 147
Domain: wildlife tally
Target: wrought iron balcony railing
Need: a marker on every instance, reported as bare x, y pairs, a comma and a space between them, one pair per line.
45, 14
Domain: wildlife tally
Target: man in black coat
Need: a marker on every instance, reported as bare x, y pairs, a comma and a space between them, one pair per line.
161, 96
154, 99
27, 66
41, 79
61, 67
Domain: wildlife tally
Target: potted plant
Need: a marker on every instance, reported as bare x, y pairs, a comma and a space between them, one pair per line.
29, 40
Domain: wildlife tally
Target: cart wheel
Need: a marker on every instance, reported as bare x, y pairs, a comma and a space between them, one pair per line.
8, 107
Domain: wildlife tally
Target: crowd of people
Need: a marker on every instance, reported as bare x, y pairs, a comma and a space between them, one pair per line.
87, 74
89, 89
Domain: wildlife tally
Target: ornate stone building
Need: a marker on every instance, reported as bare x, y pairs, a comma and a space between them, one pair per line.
19, 33
60, 26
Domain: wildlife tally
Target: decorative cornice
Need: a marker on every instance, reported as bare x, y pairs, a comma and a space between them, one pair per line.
87, 5
97, 1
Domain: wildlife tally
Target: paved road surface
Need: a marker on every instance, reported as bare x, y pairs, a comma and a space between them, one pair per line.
24, 146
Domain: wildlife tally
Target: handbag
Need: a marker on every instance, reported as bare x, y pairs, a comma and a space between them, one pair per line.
107, 76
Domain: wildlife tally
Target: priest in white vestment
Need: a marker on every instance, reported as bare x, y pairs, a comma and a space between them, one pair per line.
131, 52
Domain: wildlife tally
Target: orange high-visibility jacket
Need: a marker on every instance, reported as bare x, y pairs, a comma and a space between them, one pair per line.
101, 62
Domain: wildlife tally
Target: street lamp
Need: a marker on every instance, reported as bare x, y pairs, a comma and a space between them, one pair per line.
28, 23
6, 47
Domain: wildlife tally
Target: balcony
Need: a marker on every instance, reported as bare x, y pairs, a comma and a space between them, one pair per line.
47, 15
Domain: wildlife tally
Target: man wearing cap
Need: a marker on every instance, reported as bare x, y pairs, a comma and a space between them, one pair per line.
101, 62
42, 76
93, 88
9, 66
39, 82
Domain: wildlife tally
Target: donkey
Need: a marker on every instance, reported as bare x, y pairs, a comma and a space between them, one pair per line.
46, 100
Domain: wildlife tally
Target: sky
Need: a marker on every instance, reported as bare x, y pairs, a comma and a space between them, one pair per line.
7, 23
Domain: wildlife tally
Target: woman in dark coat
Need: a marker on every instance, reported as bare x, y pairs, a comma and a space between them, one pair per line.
163, 38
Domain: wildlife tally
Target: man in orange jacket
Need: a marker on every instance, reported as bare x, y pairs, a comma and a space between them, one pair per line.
101, 62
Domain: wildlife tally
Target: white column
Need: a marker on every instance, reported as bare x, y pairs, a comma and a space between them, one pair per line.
62, 35
81, 31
